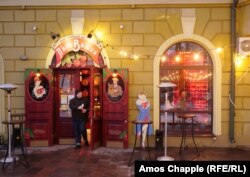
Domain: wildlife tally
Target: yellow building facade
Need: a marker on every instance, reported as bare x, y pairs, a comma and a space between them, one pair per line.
144, 30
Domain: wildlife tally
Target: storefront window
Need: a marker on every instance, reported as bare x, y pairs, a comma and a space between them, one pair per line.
189, 66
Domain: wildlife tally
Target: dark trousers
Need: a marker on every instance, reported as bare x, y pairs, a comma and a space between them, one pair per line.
80, 130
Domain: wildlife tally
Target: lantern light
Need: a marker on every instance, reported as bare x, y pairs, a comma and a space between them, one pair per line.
177, 58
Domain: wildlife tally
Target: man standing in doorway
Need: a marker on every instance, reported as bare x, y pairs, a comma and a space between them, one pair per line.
79, 107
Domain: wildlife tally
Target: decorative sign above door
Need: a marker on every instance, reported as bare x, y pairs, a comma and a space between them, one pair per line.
77, 43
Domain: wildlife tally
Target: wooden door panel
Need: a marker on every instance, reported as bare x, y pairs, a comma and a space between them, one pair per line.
37, 115
40, 129
114, 129
95, 118
97, 133
39, 105
66, 129
115, 107
115, 116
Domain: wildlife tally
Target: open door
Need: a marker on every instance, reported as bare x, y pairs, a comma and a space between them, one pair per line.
115, 108
39, 106
89, 81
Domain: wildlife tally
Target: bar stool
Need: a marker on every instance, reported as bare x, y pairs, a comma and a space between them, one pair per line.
184, 118
141, 123
17, 116
18, 131
16, 141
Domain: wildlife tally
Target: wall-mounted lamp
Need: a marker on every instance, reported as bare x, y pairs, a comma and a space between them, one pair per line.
90, 34
114, 73
38, 74
54, 35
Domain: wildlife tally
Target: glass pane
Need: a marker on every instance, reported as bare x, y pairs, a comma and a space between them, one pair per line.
189, 66
202, 123
67, 89
97, 95
198, 84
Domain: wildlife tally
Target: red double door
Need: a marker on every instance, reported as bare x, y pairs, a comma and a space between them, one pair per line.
47, 105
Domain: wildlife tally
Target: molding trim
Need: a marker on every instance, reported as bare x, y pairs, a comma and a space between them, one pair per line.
77, 21
109, 2
188, 24
188, 19
124, 6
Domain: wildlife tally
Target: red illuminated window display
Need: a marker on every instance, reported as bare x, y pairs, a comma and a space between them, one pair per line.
189, 66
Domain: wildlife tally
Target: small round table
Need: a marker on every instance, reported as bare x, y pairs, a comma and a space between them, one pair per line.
141, 123
17, 116
184, 118
9, 158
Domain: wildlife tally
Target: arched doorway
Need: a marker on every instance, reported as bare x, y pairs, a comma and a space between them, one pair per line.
77, 62
216, 78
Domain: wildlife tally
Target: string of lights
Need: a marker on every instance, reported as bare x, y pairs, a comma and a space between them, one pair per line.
126, 54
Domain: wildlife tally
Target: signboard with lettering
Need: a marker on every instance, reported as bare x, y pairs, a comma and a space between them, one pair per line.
77, 43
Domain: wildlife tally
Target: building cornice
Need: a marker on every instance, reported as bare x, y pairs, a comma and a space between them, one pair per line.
110, 4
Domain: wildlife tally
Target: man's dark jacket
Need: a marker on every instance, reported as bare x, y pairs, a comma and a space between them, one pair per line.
77, 113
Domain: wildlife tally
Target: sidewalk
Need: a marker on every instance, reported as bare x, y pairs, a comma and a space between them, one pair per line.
64, 161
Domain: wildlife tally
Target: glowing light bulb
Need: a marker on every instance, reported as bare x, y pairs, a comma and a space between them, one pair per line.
135, 57
219, 50
196, 56
163, 58
99, 34
177, 58
238, 62
124, 53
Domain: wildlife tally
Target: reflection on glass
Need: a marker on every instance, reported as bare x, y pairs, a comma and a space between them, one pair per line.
67, 89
